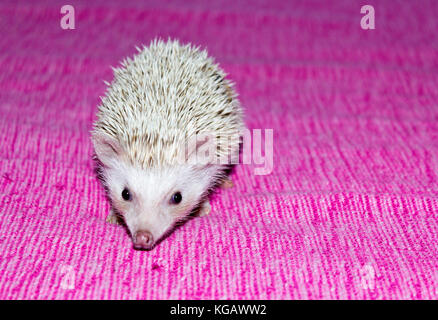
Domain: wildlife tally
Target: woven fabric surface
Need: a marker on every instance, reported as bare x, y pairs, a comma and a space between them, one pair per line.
348, 212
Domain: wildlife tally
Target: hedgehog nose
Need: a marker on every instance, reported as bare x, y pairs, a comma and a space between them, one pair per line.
143, 240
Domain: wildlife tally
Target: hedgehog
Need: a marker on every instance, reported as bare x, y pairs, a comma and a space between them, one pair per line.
167, 132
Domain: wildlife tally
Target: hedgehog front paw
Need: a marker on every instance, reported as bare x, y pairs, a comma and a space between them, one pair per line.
113, 218
227, 183
205, 208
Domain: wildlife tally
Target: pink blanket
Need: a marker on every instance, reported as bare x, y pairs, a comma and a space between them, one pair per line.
349, 210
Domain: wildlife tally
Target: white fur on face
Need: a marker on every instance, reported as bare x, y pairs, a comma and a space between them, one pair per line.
150, 208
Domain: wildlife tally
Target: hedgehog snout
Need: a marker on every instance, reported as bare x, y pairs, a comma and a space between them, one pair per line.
143, 240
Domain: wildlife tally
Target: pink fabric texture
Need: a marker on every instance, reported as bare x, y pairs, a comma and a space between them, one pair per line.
348, 212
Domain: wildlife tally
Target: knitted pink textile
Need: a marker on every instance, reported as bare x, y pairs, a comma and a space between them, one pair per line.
349, 210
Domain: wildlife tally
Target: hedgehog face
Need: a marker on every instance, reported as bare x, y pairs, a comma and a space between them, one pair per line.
150, 200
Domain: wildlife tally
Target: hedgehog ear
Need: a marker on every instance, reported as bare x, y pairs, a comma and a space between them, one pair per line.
107, 148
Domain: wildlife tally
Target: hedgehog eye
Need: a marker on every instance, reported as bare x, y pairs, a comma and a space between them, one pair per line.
126, 195
176, 198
